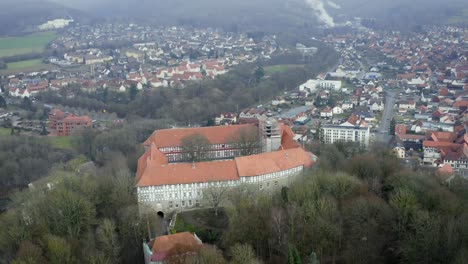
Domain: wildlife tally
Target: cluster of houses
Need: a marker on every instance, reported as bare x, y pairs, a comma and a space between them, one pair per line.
431, 73
145, 57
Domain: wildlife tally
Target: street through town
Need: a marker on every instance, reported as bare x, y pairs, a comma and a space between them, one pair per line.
382, 135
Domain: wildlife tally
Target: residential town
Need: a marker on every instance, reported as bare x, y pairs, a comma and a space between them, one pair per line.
119, 56
425, 74
388, 89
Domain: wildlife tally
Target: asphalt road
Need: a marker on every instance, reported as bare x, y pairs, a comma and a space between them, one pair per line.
382, 136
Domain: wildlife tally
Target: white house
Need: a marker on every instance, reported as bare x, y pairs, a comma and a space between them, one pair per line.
326, 112
399, 152
337, 110
20, 93
376, 105
409, 105
417, 81
278, 101
347, 105
313, 85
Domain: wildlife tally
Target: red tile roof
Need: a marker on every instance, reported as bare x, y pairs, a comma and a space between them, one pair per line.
270, 162
287, 138
154, 170
216, 135
438, 144
446, 169
441, 136
460, 104
184, 173
163, 246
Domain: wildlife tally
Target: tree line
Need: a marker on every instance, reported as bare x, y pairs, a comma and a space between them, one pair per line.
81, 215
357, 207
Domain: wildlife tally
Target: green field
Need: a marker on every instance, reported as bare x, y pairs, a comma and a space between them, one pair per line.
5, 131
269, 70
27, 64
62, 142
459, 19
10, 46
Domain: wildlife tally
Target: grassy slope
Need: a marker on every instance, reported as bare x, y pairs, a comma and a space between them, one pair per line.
4, 132
62, 142
269, 70
10, 46
27, 64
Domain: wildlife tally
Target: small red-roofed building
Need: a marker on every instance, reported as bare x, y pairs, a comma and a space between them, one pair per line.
400, 129
326, 112
173, 248
445, 173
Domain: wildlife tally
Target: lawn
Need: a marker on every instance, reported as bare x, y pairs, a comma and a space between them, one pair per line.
5, 131
269, 70
27, 64
62, 142
34, 43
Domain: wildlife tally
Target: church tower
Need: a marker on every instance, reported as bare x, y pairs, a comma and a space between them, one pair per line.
270, 133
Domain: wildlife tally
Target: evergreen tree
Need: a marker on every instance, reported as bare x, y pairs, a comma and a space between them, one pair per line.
313, 259
285, 194
392, 127
3, 103
259, 73
293, 255
319, 133
133, 92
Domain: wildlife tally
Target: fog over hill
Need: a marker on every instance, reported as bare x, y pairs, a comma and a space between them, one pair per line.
270, 13
19, 16
264, 15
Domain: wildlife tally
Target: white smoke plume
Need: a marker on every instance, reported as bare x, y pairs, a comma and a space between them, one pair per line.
319, 8
334, 5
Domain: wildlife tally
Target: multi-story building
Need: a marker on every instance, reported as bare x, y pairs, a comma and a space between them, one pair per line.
167, 182
354, 129
336, 133
63, 124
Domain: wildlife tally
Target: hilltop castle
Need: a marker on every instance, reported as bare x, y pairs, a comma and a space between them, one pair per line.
264, 156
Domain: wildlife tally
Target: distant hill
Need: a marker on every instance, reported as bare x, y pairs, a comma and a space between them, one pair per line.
273, 15
265, 15
403, 13
23, 16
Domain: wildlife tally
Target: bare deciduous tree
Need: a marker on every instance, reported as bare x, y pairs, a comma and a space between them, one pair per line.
215, 196
195, 147
248, 140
